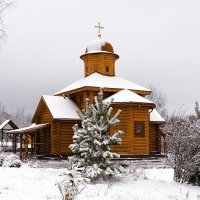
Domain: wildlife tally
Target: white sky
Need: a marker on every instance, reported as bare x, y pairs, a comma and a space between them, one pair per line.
158, 43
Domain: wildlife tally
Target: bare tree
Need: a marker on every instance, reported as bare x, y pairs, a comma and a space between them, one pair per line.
4, 4
197, 109
4, 115
184, 148
19, 117
160, 100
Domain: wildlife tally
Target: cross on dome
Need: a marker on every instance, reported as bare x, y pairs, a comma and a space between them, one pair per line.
99, 27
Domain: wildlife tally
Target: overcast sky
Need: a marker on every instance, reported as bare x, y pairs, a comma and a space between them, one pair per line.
158, 43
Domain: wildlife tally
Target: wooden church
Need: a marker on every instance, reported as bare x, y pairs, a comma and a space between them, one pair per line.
51, 132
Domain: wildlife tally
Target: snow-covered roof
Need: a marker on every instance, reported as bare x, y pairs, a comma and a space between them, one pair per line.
99, 80
126, 96
4, 123
95, 45
10, 122
32, 127
62, 107
155, 116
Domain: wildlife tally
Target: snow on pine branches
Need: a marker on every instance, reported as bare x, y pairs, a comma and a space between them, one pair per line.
91, 142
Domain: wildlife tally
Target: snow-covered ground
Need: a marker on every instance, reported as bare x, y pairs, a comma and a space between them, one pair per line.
28, 183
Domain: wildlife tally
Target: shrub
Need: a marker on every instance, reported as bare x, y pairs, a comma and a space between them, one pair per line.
184, 149
11, 160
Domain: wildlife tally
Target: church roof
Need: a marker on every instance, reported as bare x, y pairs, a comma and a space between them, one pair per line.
156, 117
98, 80
126, 96
60, 108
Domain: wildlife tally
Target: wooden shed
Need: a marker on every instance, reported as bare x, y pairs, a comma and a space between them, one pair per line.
5, 138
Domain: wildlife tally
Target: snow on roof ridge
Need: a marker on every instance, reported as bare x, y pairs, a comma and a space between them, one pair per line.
99, 80
127, 96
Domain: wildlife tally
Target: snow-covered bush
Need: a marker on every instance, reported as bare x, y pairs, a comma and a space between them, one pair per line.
11, 160
184, 149
2, 158
33, 163
91, 142
72, 185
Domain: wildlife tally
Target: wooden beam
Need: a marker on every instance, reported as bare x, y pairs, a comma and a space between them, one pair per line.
32, 145
35, 147
26, 146
21, 150
14, 143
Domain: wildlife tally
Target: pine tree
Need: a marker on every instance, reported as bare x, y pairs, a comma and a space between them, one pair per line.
91, 142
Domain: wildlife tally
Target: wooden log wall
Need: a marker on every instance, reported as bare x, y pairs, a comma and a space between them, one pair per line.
154, 138
103, 63
80, 97
45, 117
62, 134
141, 144
124, 118
132, 144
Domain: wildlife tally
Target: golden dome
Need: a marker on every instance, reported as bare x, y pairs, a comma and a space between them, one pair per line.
98, 46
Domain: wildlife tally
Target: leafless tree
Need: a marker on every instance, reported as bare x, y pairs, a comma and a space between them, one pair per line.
184, 148
197, 109
4, 5
19, 117
3, 113
160, 100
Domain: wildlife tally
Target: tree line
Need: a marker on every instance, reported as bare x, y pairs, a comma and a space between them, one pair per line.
19, 117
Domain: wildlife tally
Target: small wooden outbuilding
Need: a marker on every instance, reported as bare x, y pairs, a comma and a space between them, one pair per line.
5, 138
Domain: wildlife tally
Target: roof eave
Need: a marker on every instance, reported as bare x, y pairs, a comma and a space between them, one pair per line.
106, 89
157, 122
151, 105
67, 119
99, 52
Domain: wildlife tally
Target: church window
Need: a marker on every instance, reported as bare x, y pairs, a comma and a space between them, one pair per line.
86, 70
139, 129
107, 69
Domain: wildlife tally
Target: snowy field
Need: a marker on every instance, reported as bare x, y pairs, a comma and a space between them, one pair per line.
28, 183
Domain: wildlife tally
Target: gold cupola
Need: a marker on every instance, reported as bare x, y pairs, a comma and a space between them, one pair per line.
99, 57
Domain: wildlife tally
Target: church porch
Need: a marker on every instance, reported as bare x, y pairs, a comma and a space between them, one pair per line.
31, 141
